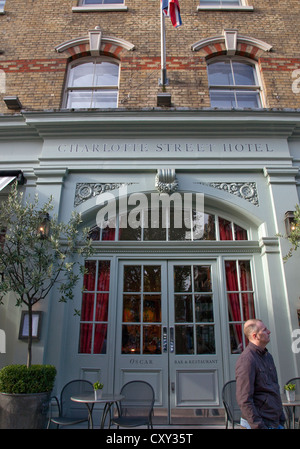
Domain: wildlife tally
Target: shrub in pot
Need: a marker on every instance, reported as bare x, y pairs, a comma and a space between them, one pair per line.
24, 395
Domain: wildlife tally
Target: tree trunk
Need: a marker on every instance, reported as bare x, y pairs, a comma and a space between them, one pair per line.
29, 347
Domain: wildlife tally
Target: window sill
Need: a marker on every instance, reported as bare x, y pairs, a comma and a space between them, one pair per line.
100, 8
224, 8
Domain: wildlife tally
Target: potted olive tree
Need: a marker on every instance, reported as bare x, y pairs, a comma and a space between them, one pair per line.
36, 254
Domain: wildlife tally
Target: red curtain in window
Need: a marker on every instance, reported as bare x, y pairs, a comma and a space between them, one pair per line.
108, 233
232, 286
93, 292
85, 343
246, 286
240, 233
233, 298
87, 307
225, 229
101, 313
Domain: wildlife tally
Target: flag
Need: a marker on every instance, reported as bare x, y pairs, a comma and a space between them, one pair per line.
171, 9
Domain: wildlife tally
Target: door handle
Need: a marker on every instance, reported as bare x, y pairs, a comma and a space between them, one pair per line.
165, 339
171, 339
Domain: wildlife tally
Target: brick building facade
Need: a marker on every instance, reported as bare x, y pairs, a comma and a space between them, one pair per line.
35, 71
161, 304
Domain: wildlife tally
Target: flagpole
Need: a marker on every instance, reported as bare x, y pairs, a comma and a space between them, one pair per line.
163, 80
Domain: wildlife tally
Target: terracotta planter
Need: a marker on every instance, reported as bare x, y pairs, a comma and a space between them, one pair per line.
24, 411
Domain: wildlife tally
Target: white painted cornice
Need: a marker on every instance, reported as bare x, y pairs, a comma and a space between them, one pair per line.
151, 122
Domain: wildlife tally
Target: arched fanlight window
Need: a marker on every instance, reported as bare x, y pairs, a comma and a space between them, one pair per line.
233, 83
203, 227
92, 83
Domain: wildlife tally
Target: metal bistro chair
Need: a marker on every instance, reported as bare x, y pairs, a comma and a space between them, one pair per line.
136, 408
296, 381
71, 413
232, 411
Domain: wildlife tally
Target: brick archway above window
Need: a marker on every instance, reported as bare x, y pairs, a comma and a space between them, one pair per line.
231, 43
95, 44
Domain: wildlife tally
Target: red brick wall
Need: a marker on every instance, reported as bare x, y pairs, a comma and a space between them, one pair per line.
30, 30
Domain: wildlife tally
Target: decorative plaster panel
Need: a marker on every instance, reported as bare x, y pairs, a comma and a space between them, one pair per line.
245, 190
84, 190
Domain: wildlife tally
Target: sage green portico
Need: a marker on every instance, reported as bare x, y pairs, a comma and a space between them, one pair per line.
246, 166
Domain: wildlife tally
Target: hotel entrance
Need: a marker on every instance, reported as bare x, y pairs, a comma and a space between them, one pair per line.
168, 313
168, 334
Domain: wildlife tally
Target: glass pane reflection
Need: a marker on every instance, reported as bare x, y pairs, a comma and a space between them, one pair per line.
182, 278
183, 308
142, 307
152, 308
184, 339
193, 308
152, 278
132, 278
205, 336
152, 339
131, 339
100, 339
131, 308
204, 308
202, 279
236, 339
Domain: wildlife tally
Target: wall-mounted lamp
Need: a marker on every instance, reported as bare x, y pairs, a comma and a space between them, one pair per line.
44, 226
12, 102
289, 222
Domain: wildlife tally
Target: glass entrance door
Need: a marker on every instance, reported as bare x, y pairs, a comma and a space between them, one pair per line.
195, 358
168, 334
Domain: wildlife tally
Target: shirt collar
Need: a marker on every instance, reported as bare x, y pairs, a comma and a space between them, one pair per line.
256, 348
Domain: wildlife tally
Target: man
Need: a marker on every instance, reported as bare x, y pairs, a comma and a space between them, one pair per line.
257, 389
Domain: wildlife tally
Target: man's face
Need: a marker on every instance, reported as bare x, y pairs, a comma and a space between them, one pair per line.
262, 335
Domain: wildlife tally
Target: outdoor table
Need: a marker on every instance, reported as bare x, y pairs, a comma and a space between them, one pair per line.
292, 405
89, 400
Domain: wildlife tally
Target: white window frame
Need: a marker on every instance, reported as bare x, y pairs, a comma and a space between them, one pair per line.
242, 6
82, 7
251, 88
84, 60
2, 5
